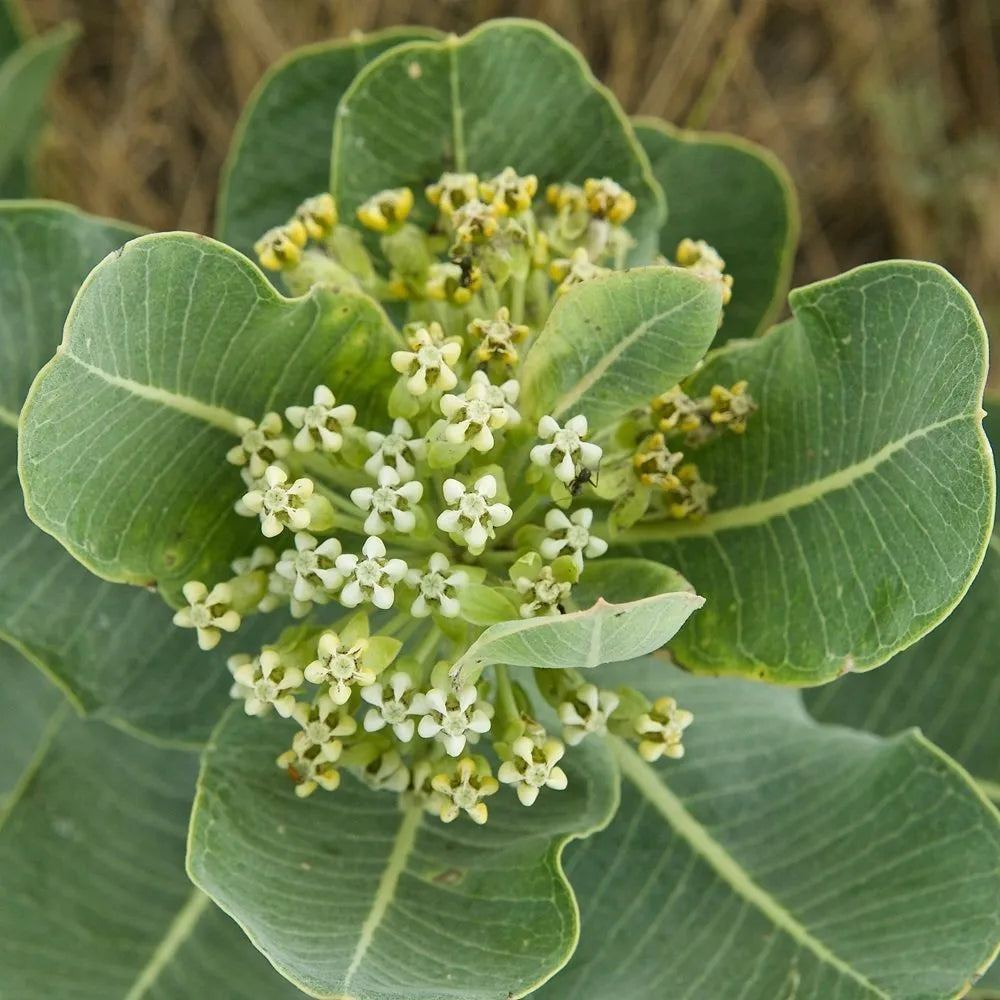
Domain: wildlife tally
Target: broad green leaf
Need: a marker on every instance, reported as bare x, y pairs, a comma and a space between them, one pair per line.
125, 431
653, 602
509, 93
24, 83
32, 700
48, 249
854, 512
783, 859
948, 684
94, 900
104, 645
281, 150
614, 343
736, 196
351, 896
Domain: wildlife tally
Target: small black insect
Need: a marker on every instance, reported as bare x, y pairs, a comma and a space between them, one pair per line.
466, 264
580, 480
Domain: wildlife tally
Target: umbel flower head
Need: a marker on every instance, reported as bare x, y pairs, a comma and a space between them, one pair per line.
458, 508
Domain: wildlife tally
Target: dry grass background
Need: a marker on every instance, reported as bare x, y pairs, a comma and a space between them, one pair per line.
887, 112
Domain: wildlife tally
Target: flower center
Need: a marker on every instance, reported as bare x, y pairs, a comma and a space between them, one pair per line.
393, 445
433, 586
473, 506
536, 774
254, 441
342, 666
454, 723
394, 712
548, 591
265, 690
315, 416
384, 499
306, 562
566, 441
368, 573
429, 357
317, 732
465, 796
201, 617
577, 536
477, 410
274, 498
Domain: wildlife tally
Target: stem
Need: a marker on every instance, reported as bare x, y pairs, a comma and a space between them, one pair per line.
517, 289
428, 645
505, 694
348, 516
525, 512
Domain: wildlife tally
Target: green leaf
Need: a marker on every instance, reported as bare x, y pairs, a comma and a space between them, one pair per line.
614, 343
854, 512
738, 197
168, 342
782, 858
47, 249
604, 633
104, 645
12, 33
948, 684
95, 901
24, 84
32, 700
349, 895
280, 153
509, 93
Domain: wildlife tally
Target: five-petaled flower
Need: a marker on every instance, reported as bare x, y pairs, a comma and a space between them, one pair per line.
391, 504
566, 451
372, 578
311, 569
437, 587
587, 711
474, 515
265, 682
208, 611
532, 766
452, 716
571, 534
322, 424
661, 730
464, 789
280, 506
392, 704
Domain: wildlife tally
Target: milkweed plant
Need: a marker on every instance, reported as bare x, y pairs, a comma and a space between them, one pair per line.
473, 503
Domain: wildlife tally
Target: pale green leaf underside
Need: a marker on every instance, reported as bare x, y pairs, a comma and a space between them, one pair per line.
48, 249
352, 897
281, 151
784, 859
104, 645
25, 76
125, 432
736, 196
853, 514
95, 902
510, 93
632, 608
614, 343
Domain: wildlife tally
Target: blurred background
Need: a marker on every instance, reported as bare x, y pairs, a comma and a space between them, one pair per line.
886, 112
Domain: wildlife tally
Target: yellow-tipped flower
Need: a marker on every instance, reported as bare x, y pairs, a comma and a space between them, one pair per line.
448, 281
280, 248
317, 215
607, 199
452, 191
732, 406
386, 210
566, 196
509, 193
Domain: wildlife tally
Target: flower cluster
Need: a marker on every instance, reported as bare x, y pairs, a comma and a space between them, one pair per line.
386, 538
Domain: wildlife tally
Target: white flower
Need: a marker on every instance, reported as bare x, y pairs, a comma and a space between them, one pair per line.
322, 724
371, 578
498, 338
387, 772
208, 611
533, 767
390, 504
481, 409
437, 586
392, 706
473, 518
452, 716
262, 557
662, 729
464, 790
572, 533
586, 712
260, 444
428, 365
264, 681
399, 450
310, 568
322, 424
280, 506
567, 451
312, 769
543, 593
340, 664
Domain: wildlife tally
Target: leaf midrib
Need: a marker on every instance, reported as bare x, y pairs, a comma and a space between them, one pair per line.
714, 854
755, 514
216, 416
